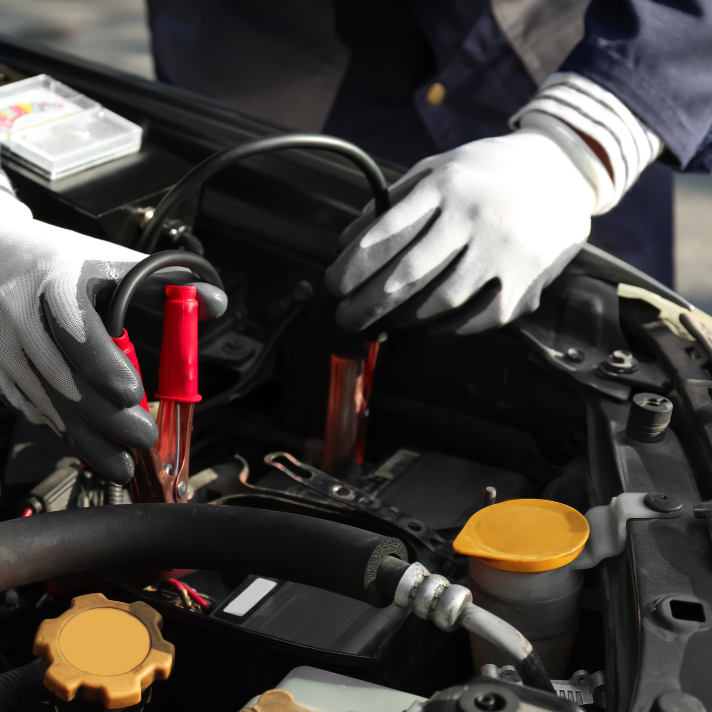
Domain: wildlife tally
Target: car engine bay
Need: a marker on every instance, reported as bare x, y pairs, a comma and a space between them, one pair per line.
306, 544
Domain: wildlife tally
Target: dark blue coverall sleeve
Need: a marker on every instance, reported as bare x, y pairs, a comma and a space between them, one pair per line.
656, 57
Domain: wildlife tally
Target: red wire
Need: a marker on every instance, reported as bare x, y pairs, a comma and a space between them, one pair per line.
191, 592
28, 512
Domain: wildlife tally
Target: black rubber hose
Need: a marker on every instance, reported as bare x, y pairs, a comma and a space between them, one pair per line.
390, 573
21, 687
315, 552
116, 313
198, 175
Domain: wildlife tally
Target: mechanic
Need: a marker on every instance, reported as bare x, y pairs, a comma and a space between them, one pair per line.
496, 219
408, 79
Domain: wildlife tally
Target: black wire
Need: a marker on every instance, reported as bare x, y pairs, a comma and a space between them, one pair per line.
242, 387
116, 313
198, 175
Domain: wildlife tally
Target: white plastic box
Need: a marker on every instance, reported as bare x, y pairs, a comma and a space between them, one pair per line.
55, 131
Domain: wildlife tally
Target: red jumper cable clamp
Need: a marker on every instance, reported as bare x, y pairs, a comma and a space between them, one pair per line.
162, 470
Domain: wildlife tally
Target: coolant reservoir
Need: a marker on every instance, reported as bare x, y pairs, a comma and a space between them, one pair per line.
519, 569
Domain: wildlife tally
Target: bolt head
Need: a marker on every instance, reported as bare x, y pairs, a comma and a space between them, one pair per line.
182, 488
486, 702
621, 358
664, 502
574, 355
621, 361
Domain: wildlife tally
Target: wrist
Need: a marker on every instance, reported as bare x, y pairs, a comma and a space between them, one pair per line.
581, 154
600, 152
609, 129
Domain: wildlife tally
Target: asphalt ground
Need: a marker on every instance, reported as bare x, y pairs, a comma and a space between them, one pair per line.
114, 32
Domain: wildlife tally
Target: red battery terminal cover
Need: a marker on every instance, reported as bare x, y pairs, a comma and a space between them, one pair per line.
178, 370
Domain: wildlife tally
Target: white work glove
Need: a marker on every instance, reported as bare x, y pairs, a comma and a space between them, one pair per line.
496, 219
58, 365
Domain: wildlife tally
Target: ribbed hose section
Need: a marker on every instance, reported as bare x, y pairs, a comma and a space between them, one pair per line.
113, 493
22, 686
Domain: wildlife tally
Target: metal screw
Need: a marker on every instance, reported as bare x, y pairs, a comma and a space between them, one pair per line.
621, 362
182, 488
665, 502
622, 359
146, 215
343, 492
487, 701
574, 355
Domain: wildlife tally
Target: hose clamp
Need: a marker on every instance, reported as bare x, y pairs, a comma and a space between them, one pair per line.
428, 595
408, 586
432, 597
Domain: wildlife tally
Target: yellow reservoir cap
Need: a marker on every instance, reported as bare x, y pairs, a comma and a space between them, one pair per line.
524, 535
110, 650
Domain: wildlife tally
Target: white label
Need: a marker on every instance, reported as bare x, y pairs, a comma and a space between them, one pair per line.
250, 597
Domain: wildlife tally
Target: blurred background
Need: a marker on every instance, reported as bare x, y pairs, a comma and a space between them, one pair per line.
114, 32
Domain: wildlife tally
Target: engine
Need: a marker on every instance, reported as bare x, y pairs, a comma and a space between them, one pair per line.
385, 521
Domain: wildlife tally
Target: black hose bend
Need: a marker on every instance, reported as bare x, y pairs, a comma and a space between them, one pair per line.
116, 313
315, 552
198, 175
21, 687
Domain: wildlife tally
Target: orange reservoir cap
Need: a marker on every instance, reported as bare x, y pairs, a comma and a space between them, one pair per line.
524, 535
109, 650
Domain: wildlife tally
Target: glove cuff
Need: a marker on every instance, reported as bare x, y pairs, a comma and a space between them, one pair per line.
585, 106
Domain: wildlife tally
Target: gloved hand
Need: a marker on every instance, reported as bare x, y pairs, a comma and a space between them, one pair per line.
498, 218
58, 365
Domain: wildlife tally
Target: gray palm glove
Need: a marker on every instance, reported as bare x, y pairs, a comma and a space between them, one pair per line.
499, 217
58, 365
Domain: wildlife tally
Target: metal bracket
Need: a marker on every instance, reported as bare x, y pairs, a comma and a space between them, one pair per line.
361, 501
608, 523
